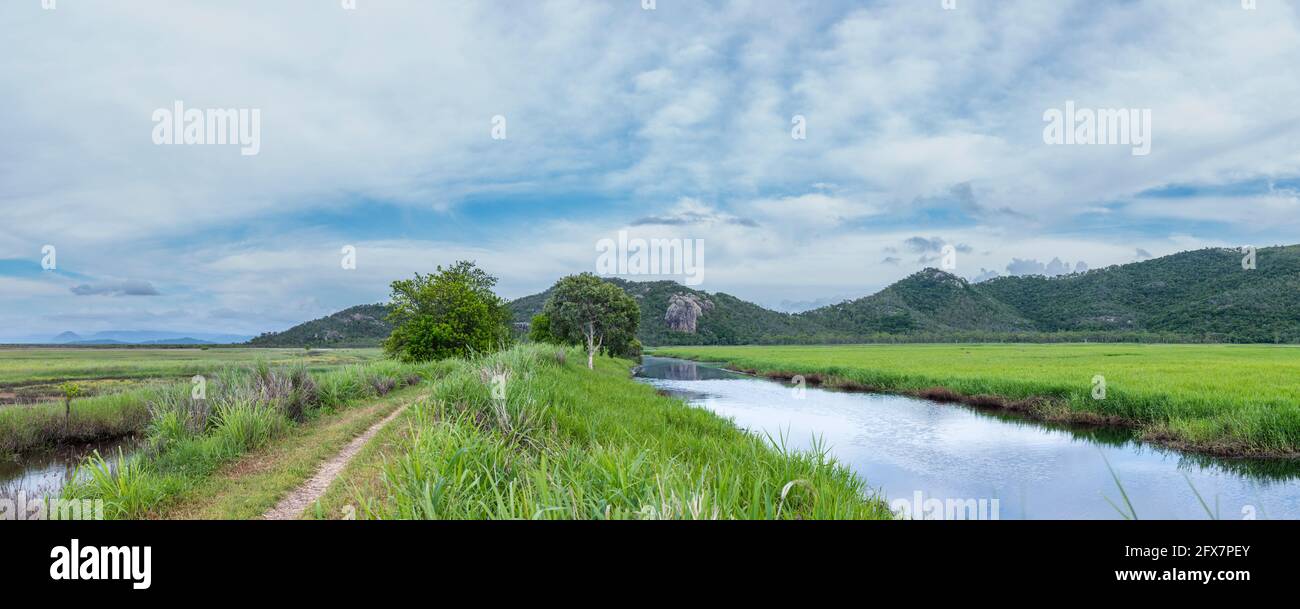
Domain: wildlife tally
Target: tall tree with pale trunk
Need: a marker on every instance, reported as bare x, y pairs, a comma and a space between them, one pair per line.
594, 313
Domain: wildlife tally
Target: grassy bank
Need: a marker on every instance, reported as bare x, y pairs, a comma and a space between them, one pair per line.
1233, 400
563, 442
188, 440
26, 428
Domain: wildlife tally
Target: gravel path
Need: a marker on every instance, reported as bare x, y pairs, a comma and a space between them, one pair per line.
293, 504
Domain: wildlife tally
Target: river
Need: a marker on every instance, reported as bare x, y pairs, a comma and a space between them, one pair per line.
911, 449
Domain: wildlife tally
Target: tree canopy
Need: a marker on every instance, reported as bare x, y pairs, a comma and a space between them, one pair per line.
584, 310
452, 313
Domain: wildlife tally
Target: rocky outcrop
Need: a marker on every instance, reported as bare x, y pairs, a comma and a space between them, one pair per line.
684, 312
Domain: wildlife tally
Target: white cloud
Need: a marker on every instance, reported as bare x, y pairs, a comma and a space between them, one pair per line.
675, 115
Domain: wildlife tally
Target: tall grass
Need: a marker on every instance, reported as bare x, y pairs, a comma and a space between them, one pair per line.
30, 427
244, 409
568, 443
25, 428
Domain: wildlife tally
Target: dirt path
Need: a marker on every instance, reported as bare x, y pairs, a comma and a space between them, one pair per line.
293, 504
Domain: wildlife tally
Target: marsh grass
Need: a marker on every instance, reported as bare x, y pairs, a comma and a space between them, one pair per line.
165, 404
31, 427
27, 365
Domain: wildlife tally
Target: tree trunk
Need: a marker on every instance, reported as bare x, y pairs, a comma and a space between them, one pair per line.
592, 345
67, 415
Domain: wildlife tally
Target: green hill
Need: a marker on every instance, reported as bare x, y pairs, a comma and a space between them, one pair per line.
722, 319
1202, 295
929, 301
359, 326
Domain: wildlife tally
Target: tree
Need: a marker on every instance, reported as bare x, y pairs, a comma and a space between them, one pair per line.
453, 313
585, 310
539, 329
70, 390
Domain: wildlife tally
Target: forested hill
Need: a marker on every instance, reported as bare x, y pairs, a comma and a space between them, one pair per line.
1202, 295
359, 326
673, 314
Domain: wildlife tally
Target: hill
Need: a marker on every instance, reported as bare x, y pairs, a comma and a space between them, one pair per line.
140, 337
673, 314
929, 301
1204, 294
1196, 296
359, 326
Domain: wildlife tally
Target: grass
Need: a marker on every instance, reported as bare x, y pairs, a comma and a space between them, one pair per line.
563, 442
1234, 400
32, 365
121, 382
245, 410
27, 428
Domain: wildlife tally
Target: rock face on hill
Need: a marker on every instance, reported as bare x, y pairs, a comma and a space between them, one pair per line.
684, 311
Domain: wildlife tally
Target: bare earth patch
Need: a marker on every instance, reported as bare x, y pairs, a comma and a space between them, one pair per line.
293, 504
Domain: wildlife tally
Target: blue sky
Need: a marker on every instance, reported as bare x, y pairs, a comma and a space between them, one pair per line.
924, 127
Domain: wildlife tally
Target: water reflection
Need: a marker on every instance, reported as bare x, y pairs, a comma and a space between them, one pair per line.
46, 473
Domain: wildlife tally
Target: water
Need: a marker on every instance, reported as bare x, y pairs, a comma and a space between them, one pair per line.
901, 446
46, 473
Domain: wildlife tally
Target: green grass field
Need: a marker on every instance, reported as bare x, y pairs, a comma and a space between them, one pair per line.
33, 365
1224, 399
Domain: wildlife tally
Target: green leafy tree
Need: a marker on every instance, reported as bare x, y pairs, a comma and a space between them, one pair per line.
452, 313
587, 311
539, 329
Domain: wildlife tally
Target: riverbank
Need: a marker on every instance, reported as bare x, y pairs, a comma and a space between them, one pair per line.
558, 441
1223, 400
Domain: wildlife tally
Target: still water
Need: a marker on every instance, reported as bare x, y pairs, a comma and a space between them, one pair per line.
902, 446
45, 473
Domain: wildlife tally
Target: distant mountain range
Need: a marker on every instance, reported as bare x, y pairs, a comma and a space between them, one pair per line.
1202, 295
137, 337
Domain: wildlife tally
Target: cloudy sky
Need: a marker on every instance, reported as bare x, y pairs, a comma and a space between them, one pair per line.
922, 127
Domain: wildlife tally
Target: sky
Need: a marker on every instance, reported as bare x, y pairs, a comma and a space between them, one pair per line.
821, 150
